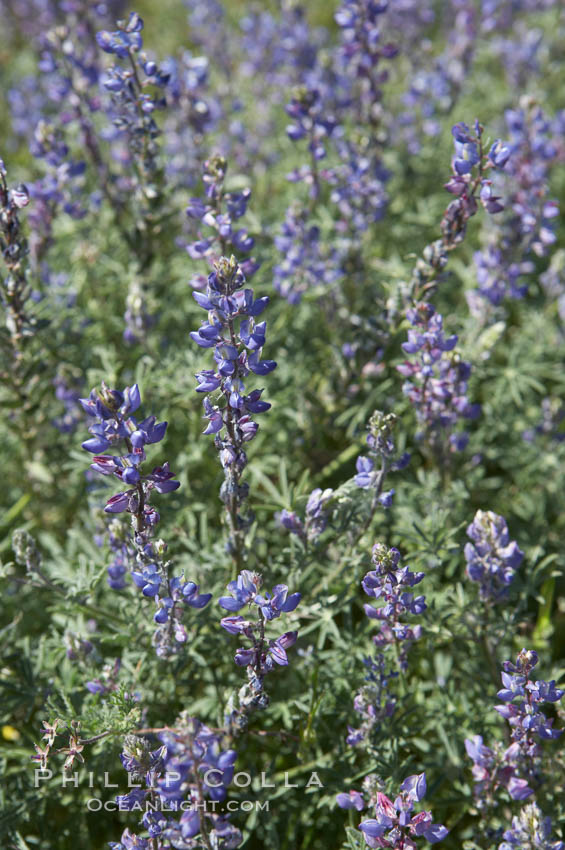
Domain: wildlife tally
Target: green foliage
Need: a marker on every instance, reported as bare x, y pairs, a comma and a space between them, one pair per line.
322, 402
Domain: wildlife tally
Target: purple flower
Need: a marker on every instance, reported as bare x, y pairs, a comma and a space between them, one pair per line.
517, 767
237, 338
466, 156
390, 583
436, 384
116, 426
492, 558
123, 41
523, 715
530, 829
149, 581
353, 800
277, 648
415, 787
118, 503
243, 589
394, 824
304, 263
218, 213
364, 477
191, 765
264, 654
272, 606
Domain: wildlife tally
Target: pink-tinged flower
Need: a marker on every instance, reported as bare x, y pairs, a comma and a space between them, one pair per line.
393, 824
353, 800
118, 503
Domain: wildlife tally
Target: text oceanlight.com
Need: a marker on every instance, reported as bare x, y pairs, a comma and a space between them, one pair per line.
95, 804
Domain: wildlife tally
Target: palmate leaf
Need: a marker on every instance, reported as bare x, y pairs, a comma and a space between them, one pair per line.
355, 839
11, 817
19, 686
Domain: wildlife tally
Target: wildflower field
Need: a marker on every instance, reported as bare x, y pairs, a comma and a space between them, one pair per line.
282, 349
